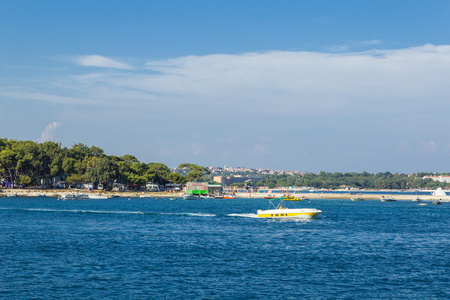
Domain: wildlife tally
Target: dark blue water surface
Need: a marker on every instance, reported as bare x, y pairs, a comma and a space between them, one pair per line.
218, 249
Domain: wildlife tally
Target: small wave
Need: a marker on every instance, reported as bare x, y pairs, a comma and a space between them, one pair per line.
243, 215
110, 212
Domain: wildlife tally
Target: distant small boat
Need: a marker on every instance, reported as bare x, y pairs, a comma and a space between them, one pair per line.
11, 195
269, 196
357, 198
229, 197
437, 202
75, 197
82, 197
292, 198
98, 197
387, 199
417, 200
190, 197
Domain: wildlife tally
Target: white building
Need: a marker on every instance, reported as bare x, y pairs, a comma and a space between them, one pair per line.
440, 178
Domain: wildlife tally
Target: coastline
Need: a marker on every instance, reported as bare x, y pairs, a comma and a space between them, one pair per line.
335, 196
137, 194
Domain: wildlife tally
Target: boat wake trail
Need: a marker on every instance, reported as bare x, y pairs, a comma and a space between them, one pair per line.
243, 215
86, 211
190, 214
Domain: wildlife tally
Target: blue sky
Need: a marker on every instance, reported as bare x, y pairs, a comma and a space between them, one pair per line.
295, 85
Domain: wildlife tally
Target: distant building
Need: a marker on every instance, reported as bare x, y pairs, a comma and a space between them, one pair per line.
197, 188
213, 188
230, 180
440, 178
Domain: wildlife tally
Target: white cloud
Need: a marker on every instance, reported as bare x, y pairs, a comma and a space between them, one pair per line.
372, 42
49, 132
44, 97
410, 82
101, 62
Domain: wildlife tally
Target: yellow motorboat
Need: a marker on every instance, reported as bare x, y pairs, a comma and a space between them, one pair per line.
281, 211
292, 198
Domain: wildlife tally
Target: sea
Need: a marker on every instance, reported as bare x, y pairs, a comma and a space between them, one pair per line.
161, 248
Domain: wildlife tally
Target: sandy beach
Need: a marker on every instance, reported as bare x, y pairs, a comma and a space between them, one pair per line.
349, 196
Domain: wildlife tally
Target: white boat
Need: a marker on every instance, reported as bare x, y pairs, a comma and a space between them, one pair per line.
11, 195
98, 196
75, 197
281, 211
68, 197
417, 199
82, 197
190, 197
357, 198
387, 199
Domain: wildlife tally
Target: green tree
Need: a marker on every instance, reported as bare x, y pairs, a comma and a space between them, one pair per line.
8, 163
105, 170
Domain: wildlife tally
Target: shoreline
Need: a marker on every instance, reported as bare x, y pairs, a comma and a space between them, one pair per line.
137, 194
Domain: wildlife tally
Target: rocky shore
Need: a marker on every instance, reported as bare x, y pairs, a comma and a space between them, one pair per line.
133, 194
60, 192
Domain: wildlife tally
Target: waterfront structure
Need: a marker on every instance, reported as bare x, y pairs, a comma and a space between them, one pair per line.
197, 188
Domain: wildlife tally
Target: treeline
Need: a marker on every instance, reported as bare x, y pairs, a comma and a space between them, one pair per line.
28, 163
363, 180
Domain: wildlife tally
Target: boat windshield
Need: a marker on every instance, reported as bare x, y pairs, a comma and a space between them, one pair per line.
277, 204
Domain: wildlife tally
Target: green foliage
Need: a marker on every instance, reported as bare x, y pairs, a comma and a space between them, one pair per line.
75, 178
363, 180
28, 163
25, 180
196, 172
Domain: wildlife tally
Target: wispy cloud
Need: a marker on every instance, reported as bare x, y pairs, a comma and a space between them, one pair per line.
101, 62
269, 83
372, 42
49, 132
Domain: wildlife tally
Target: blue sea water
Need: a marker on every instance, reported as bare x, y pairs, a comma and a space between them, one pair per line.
218, 249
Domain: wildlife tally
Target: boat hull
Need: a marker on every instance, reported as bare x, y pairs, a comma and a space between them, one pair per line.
289, 213
357, 199
388, 200
191, 197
